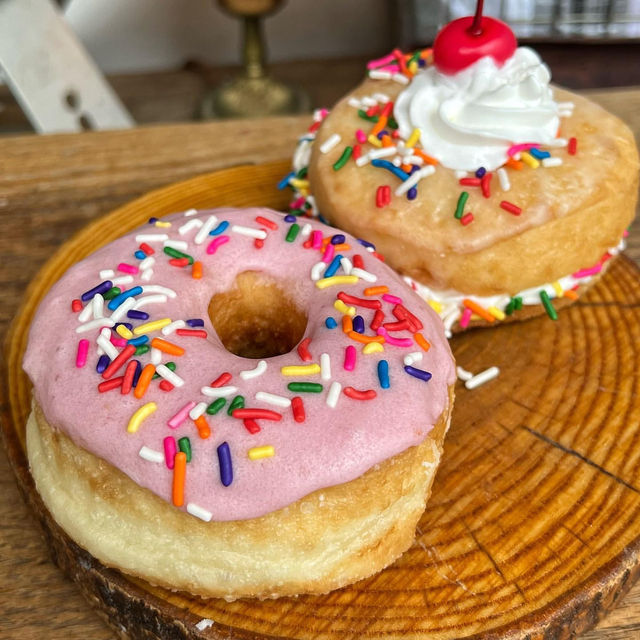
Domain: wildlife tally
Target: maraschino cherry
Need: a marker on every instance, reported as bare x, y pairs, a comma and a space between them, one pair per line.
463, 41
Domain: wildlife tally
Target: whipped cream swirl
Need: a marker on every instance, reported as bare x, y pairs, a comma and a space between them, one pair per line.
470, 119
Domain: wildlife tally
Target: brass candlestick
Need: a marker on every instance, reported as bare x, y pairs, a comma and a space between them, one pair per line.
253, 93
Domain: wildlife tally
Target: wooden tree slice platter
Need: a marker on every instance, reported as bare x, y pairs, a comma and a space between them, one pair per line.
533, 528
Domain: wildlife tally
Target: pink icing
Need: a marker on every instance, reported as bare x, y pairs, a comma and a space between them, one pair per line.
330, 447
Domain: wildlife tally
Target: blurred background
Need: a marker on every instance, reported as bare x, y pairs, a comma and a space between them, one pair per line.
163, 58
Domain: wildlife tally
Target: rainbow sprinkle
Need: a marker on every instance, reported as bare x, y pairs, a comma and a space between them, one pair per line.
379, 144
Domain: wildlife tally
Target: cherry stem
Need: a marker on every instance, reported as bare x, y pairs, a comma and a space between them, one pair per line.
476, 26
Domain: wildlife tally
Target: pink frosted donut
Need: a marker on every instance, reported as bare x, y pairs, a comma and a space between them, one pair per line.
232, 364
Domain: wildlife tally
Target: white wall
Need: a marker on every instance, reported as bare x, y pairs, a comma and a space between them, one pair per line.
143, 35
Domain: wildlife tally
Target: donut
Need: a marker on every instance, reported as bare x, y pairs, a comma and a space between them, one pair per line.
233, 403
495, 195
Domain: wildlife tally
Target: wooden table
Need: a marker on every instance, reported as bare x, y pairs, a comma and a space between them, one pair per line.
52, 186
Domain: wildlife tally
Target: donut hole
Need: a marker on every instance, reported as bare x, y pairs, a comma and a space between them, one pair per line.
256, 318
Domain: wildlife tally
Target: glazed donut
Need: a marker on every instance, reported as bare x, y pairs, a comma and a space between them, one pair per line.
487, 189
233, 403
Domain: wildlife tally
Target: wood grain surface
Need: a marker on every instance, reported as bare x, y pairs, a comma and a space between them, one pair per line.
532, 524
49, 188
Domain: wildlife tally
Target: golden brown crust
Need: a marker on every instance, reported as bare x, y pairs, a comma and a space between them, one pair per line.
326, 540
571, 214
